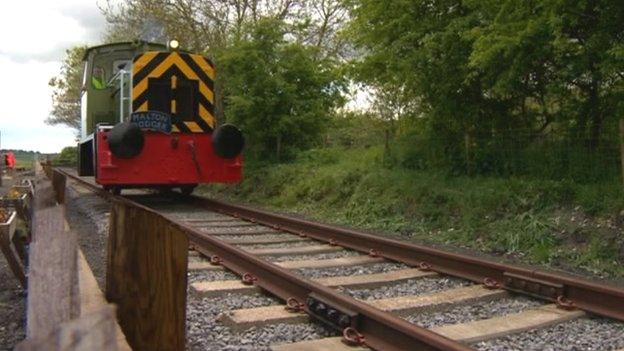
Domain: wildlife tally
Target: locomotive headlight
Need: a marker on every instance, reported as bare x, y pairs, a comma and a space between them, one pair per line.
173, 44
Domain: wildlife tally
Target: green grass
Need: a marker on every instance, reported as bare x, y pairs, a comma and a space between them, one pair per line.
535, 220
24, 162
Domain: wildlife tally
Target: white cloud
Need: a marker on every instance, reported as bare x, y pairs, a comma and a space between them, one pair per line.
36, 34
37, 30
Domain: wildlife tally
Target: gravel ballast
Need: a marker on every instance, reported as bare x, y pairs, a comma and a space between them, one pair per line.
253, 229
225, 222
88, 215
474, 312
585, 334
279, 245
323, 256
352, 270
279, 236
208, 275
205, 332
407, 288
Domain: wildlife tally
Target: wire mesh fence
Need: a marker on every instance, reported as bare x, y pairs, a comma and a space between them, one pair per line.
543, 156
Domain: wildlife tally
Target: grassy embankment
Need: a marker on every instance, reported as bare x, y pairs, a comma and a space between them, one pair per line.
556, 223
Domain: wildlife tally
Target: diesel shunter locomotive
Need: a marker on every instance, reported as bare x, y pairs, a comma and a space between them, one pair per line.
147, 120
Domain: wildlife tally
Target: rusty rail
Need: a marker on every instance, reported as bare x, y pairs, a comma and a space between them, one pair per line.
592, 297
381, 331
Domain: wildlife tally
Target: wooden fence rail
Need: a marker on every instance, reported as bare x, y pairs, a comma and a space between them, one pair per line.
11, 244
11, 251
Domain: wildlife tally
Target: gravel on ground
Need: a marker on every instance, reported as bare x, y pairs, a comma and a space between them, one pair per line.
585, 334
407, 288
351, 270
208, 275
252, 229
206, 332
279, 245
88, 215
12, 308
278, 236
323, 256
474, 312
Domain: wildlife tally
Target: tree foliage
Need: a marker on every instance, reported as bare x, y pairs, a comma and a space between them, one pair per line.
472, 82
278, 91
66, 90
493, 75
67, 157
209, 26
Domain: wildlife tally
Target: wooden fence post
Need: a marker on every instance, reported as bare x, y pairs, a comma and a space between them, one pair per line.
622, 146
146, 278
52, 266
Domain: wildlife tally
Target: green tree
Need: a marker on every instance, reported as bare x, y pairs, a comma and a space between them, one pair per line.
279, 92
419, 50
67, 157
491, 76
67, 87
209, 26
562, 61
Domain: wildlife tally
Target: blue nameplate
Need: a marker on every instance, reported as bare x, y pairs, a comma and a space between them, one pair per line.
152, 120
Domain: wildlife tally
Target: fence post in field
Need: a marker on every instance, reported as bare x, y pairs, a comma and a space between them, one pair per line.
146, 278
468, 147
622, 146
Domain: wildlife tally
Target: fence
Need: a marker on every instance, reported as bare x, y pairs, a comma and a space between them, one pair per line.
146, 280
534, 155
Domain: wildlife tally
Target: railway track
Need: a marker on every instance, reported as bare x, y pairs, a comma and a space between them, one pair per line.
378, 293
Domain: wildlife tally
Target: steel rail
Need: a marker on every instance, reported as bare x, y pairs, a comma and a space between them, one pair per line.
381, 330
567, 291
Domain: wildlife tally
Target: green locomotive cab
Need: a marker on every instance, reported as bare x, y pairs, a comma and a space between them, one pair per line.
106, 92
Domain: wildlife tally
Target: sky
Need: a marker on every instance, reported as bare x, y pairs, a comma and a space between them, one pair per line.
35, 35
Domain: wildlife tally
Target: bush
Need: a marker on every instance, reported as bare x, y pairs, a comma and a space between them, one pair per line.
67, 157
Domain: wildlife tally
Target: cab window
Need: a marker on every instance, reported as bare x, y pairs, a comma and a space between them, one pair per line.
98, 78
121, 64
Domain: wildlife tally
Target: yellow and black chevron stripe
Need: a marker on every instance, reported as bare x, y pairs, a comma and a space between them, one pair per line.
177, 83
